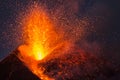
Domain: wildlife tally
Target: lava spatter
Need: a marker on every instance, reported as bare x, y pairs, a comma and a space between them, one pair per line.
38, 34
40, 39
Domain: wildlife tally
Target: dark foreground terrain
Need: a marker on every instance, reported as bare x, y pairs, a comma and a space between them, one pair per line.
75, 66
11, 68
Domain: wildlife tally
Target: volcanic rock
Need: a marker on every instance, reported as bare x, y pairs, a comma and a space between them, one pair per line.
76, 65
11, 68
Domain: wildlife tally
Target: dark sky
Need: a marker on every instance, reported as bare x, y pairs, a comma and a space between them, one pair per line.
107, 24
9, 11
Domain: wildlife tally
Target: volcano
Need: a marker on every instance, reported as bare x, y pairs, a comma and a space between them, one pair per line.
70, 66
13, 69
54, 47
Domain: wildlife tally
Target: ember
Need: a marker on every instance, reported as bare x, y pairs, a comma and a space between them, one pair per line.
38, 34
55, 48
51, 55
40, 39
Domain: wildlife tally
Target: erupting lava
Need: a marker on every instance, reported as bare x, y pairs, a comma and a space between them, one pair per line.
40, 39
56, 48
38, 34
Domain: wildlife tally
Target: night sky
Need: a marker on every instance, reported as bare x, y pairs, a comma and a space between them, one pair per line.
104, 16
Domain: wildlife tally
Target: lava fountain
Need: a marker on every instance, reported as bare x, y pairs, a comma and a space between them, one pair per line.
54, 48
44, 42
40, 39
52, 52
38, 34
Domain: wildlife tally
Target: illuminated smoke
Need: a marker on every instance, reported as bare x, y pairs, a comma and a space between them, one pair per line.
44, 35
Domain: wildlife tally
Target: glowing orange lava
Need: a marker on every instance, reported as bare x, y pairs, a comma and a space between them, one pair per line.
40, 39
38, 34
43, 41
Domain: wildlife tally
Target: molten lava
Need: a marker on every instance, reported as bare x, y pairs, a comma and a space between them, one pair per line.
38, 34
40, 39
